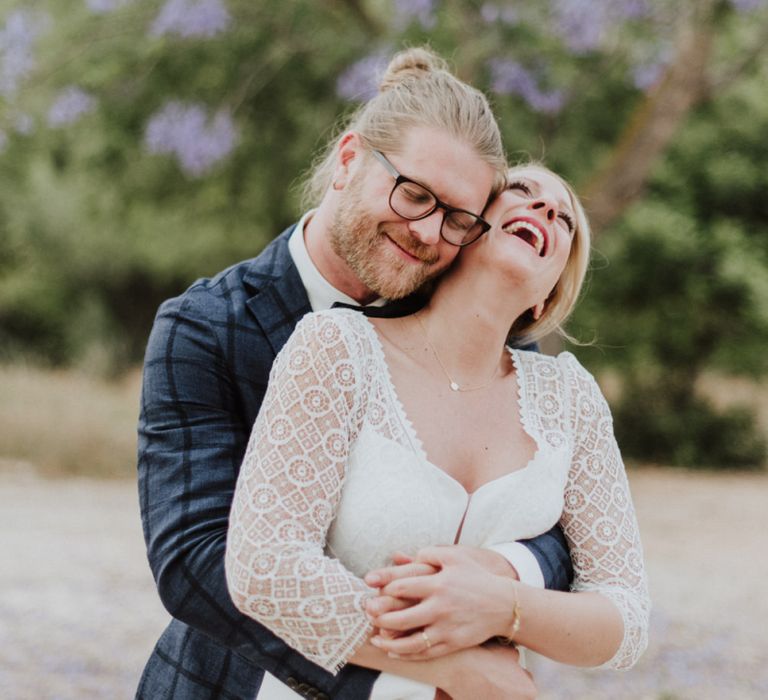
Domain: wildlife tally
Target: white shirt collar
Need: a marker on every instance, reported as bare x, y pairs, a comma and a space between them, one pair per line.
322, 294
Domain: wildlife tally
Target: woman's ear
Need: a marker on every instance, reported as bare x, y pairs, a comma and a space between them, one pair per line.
349, 154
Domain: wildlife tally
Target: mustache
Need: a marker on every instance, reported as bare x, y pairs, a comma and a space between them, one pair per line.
414, 247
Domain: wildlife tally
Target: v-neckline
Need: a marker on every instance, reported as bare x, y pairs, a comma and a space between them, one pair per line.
413, 435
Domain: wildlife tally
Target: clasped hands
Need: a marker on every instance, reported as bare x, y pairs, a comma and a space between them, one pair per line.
444, 599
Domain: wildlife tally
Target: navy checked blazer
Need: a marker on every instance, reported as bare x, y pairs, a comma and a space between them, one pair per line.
205, 374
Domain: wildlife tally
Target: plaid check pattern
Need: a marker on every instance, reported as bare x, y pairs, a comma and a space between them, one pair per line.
206, 370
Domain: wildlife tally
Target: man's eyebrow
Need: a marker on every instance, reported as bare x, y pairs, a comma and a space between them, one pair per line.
435, 192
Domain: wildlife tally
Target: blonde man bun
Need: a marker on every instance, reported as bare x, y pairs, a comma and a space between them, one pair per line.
417, 90
412, 63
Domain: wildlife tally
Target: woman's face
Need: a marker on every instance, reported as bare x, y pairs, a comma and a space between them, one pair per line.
532, 228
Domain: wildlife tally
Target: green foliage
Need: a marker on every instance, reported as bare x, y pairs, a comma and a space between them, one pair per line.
685, 289
96, 230
665, 424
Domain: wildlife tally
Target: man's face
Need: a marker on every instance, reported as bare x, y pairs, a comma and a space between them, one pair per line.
392, 256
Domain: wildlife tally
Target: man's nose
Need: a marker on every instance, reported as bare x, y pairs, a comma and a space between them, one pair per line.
427, 230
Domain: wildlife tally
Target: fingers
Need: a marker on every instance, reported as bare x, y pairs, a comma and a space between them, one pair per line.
416, 587
384, 604
414, 646
437, 555
414, 617
382, 577
401, 558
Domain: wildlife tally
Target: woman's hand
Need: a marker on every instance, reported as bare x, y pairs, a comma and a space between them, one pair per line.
443, 600
403, 567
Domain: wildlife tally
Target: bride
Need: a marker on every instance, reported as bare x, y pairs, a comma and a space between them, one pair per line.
424, 433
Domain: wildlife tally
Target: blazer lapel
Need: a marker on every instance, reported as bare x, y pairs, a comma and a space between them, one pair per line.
279, 299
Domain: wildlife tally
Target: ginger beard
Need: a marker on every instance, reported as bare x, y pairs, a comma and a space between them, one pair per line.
362, 243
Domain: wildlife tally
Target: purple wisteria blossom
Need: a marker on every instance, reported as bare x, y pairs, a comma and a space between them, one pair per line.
192, 18
421, 11
102, 7
646, 75
492, 13
748, 5
70, 104
186, 131
360, 82
511, 78
634, 9
584, 25
580, 24
17, 39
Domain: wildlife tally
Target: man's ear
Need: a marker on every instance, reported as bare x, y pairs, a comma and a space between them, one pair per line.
349, 155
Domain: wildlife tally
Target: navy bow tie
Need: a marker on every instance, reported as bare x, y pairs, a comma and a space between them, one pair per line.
393, 309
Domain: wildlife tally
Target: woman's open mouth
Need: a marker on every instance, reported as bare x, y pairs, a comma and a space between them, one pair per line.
528, 231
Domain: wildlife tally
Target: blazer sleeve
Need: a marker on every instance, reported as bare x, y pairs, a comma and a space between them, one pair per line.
553, 557
192, 438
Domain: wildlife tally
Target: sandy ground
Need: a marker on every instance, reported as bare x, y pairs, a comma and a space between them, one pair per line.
79, 614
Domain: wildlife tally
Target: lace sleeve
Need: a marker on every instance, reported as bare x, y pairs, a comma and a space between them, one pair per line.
599, 519
288, 491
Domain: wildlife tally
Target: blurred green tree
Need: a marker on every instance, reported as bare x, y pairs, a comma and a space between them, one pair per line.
146, 142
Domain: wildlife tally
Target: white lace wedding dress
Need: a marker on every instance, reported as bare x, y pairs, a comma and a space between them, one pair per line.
335, 479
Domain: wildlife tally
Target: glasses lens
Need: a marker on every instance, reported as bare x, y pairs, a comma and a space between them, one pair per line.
461, 228
411, 201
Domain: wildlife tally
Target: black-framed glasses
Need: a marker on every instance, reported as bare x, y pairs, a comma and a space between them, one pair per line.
413, 201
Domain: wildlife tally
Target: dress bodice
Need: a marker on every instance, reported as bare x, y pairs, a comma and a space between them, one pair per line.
395, 499
335, 479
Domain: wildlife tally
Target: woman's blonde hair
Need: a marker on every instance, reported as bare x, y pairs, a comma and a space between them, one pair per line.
562, 299
417, 90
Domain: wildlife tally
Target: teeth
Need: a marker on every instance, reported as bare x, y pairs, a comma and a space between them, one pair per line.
535, 239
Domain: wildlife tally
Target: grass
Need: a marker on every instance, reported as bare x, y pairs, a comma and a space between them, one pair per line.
64, 423
68, 423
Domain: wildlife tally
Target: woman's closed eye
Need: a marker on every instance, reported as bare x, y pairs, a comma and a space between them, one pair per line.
520, 185
568, 222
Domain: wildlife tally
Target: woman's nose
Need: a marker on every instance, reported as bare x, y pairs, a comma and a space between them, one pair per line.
549, 207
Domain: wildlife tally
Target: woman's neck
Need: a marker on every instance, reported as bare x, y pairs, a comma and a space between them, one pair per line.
466, 323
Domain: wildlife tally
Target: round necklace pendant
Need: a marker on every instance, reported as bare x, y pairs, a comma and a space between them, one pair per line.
454, 386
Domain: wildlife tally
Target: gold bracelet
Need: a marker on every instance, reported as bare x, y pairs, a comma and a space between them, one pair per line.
509, 639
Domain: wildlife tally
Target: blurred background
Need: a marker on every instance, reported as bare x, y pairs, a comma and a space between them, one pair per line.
146, 143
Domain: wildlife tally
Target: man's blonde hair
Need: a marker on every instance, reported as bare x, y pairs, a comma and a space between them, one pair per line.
417, 90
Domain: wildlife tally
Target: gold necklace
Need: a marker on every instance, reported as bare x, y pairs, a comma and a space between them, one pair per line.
454, 385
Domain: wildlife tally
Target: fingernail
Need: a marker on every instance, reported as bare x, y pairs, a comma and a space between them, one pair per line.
392, 655
376, 642
373, 579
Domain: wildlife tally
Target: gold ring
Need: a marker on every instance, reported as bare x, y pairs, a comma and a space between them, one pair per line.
426, 639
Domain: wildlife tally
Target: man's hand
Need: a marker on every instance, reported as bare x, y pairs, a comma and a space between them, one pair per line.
491, 673
445, 599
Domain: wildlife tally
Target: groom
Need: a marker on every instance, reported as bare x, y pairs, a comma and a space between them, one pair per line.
208, 361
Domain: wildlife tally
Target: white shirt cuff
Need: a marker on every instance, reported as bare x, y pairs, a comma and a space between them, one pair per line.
526, 565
